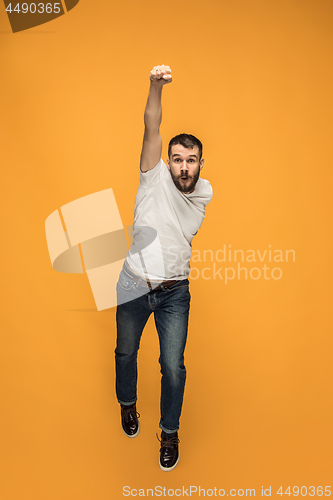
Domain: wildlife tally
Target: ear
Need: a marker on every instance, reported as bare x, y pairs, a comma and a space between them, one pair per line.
168, 163
202, 161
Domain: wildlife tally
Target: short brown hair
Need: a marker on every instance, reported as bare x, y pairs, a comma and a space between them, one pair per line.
187, 141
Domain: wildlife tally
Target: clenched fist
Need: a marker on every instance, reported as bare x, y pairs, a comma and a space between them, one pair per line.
160, 75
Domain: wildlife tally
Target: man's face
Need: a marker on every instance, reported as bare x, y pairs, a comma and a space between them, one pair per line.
184, 166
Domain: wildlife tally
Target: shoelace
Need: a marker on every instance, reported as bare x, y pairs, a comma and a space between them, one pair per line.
168, 441
128, 412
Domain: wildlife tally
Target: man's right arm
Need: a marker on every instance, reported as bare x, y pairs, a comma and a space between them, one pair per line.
152, 140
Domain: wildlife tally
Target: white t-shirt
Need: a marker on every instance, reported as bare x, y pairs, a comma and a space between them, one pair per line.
165, 221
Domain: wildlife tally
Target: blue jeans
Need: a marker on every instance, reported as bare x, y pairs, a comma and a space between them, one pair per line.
171, 310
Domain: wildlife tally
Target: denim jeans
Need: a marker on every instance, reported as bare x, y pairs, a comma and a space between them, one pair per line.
171, 310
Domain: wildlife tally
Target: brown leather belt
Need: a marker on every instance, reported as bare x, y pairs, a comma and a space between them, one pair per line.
150, 284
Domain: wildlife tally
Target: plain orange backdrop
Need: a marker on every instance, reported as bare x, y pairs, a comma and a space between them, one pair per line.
253, 80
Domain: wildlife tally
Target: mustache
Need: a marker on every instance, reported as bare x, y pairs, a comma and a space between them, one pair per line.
184, 174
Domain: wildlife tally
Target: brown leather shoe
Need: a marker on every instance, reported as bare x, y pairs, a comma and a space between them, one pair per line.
169, 453
129, 420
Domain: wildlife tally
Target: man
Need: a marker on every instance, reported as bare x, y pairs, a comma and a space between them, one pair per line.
169, 210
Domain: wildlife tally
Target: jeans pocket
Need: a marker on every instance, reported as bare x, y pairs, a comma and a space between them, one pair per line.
125, 282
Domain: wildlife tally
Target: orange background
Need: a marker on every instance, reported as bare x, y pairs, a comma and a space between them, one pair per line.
253, 80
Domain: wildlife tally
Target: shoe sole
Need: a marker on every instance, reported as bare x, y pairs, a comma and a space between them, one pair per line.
133, 435
167, 469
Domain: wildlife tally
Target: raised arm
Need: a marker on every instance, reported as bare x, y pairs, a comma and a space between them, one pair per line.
152, 140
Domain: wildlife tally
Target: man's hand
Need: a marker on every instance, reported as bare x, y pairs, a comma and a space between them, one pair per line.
160, 75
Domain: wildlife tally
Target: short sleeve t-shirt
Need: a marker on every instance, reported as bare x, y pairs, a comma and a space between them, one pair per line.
165, 222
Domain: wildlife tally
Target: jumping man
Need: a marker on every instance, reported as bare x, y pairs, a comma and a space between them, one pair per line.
169, 210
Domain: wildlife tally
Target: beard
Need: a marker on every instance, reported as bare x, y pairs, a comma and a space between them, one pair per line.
185, 183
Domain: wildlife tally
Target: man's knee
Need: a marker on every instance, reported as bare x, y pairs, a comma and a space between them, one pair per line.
129, 351
173, 368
